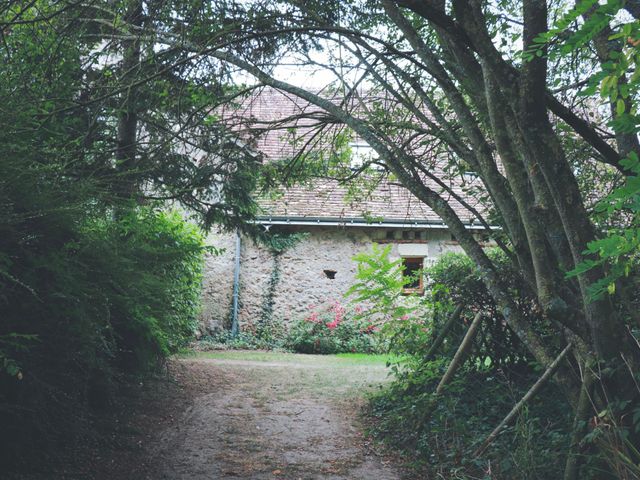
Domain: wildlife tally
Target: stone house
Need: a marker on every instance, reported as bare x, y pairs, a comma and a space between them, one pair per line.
319, 268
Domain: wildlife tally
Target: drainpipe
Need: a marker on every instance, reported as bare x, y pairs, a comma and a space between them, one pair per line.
236, 288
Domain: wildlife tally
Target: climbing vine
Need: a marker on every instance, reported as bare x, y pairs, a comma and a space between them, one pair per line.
277, 244
268, 300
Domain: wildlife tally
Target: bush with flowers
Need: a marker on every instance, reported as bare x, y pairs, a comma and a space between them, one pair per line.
333, 328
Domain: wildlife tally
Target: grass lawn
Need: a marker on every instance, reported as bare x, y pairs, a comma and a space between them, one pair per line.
345, 376
337, 360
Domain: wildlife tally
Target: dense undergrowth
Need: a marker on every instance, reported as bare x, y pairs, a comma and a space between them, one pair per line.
87, 301
98, 282
438, 434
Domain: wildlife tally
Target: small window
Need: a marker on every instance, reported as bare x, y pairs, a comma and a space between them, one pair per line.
413, 269
330, 274
361, 153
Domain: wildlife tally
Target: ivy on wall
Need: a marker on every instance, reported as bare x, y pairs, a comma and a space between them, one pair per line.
268, 299
276, 244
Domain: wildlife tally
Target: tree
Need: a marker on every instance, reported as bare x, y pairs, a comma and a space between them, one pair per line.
99, 135
474, 79
471, 82
144, 115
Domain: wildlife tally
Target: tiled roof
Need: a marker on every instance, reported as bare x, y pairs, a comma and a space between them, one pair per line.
275, 112
327, 199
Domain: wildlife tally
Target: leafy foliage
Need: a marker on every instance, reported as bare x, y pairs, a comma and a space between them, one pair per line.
98, 281
267, 329
279, 242
454, 279
411, 322
112, 296
271, 338
619, 251
437, 436
437, 433
159, 303
617, 82
379, 287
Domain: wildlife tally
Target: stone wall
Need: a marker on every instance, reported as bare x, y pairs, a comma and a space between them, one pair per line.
303, 280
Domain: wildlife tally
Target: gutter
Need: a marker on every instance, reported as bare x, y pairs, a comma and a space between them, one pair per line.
360, 222
236, 287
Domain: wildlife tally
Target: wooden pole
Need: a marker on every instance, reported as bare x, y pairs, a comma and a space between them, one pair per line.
572, 466
551, 369
461, 354
455, 316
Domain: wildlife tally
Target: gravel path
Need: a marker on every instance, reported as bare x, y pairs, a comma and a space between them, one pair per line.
257, 419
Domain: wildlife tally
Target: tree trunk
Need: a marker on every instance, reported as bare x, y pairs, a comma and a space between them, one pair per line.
127, 130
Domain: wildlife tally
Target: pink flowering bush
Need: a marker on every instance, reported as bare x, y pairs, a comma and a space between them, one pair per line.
333, 328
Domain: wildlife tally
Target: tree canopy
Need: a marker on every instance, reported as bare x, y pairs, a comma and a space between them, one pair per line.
537, 98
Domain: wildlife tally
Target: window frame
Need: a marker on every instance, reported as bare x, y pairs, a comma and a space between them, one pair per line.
416, 261
361, 153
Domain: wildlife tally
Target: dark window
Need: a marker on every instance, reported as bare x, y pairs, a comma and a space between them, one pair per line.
330, 274
413, 270
390, 235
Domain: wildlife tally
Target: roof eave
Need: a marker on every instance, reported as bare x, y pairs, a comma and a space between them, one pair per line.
361, 222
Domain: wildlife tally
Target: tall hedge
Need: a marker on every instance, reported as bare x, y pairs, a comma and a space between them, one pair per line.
83, 303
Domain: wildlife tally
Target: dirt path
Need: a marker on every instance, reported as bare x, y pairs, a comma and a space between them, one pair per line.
263, 416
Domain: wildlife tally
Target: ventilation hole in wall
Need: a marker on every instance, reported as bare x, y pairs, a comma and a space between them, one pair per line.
330, 274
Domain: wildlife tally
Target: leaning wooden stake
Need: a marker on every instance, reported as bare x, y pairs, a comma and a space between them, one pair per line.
445, 330
461, 354
551, 369
572, 466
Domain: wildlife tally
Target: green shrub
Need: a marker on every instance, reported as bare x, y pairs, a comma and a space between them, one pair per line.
332, 328
85, 301
93, 286
410, 323
380, 285
153, 265
438, 433
454, 279
225, 340
270, 336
